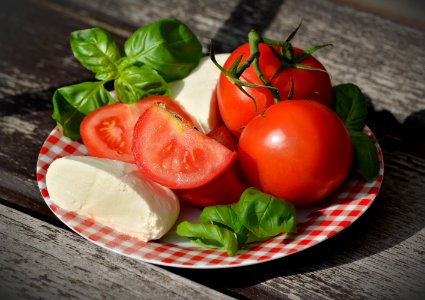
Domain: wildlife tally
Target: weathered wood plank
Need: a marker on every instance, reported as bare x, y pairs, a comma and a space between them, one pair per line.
374, 55
41, 261
368, 50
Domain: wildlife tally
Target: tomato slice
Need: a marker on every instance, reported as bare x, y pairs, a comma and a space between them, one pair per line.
225, 188
107, 132
173, 153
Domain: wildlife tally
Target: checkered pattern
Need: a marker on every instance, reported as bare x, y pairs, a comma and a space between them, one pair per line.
316, 223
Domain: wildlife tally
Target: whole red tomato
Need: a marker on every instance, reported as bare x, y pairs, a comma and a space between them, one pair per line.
308, 84
237, 109
298, 150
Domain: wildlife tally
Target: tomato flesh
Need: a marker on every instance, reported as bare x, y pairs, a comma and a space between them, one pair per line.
225, 188
297, 150
171, 152
107, 132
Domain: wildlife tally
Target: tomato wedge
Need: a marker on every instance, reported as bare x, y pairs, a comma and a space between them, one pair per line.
171, 152
225, 188
107, 132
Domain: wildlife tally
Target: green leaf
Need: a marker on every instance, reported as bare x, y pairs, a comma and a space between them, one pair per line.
299, 58
72, 103
135, 83
365, 156
167, 46
96, 50
265, 215
224, 215
350, 104
209, 235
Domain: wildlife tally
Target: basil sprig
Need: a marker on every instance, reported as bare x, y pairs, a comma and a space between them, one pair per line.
350, 104
96, 50
135, 83
155, 54
257, 216
72, 103
166, 46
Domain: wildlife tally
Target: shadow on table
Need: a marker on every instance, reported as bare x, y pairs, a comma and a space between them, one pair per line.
246, 15
397, 213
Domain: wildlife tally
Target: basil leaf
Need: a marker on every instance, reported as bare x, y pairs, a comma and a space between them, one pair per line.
365, 156
135, 83
72, 103
224, 215
350, 104
167, 46
209, 235
96, 50
265, 215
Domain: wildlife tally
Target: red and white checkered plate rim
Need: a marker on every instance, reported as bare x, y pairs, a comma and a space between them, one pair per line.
316, 223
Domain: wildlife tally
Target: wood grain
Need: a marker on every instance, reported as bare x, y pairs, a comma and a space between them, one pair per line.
380, 256
41, 261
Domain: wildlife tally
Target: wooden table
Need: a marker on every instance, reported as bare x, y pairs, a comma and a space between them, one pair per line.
380, 256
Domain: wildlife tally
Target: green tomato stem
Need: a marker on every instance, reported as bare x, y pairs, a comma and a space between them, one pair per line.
254, 39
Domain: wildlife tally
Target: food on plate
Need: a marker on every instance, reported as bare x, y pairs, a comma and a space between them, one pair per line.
237, 108
227, 187
168, 150
154, 55
308, 78
298, 150
113, 193
258, 74
196, 93
350, 104
108, 131
257, 216
293, 137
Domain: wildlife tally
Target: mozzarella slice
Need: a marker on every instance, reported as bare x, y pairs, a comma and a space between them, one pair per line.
196, 93
113, 193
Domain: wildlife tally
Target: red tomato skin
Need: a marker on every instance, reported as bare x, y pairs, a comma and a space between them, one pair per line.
308, 84
171, 152
237, 109
298, 150
227, 187
122, 118
222, 135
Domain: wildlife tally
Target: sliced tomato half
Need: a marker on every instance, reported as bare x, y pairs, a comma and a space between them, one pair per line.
171, 152
225, 188
107, 132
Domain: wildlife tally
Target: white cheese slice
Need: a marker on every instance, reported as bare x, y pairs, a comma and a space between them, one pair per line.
196, 93
113, 193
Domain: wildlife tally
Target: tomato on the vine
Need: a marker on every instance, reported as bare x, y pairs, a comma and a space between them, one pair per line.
171, 152
308, 84
107, 132
237, 109
298, 150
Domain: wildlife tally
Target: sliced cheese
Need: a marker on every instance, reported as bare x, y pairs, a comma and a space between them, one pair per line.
113, 193
196, 93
